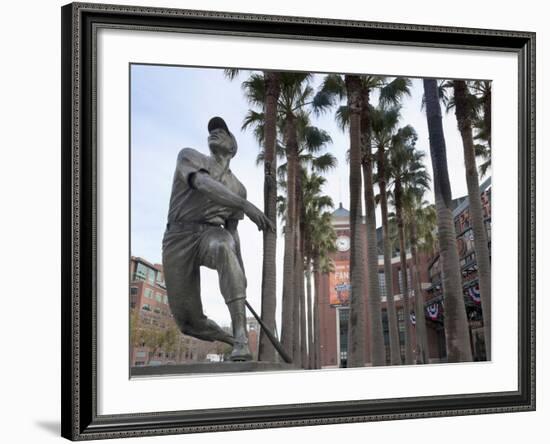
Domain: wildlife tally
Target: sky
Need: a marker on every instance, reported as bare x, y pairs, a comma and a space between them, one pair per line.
170, 109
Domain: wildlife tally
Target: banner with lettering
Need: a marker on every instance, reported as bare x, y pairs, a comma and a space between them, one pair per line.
339, 284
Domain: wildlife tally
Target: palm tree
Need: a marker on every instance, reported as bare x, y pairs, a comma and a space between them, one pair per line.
334, 89
311, 140
465, 104
426, 223
378, 353
314, 204
456, 323
299, 340
350, 86
356, 331
426, 234
408, 175
295, 94
482, 124
390, 92
323, 243
418, 213
384, 122
266, 96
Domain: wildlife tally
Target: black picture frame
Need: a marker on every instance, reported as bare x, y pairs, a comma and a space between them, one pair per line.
79, 209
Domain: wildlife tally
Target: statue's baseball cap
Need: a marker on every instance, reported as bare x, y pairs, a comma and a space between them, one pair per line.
217, 123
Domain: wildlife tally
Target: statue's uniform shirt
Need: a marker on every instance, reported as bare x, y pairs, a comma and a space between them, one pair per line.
188, 204
195, 237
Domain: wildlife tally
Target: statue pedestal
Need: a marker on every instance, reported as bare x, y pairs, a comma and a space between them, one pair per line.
210, 367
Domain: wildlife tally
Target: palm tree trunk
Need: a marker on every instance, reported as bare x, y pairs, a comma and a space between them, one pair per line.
404, 273
487, 113
456, 323
317, 303
310, 348
378, 352
421, 334
356, 329
303, 326
298, 283
266, 351
395, 349
300, 267
481, 244
298, 314
287, 329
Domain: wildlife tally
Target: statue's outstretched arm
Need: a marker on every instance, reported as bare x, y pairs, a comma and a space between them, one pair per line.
220, 194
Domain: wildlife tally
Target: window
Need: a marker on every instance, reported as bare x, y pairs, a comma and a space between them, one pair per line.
382, 283
158, 297
148, 293
165, 299
141, 271
401, 327
408, 280
400, 319
344, 321
151, 276
466, 219
160, 278
133, 291
146, 307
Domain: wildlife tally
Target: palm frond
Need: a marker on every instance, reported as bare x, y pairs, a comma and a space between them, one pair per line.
334, 85
393, 92
231, 73
256, 121
254, 89
322, 102
324, 163
342, 117
315, 139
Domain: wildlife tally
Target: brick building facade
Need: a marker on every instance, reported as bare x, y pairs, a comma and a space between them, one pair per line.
435, 309
335, 286
334, 289
155, 339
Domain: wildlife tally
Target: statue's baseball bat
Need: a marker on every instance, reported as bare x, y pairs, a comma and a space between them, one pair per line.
278, 346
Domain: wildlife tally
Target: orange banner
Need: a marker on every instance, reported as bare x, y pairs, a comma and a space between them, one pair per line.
339, 284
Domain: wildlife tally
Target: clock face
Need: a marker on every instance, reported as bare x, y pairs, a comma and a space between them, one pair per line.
342, 243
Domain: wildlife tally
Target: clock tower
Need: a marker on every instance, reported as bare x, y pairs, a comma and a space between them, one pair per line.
336, 290
340, 222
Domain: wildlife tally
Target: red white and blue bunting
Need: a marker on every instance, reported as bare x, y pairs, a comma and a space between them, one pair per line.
433, 311
474, 293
